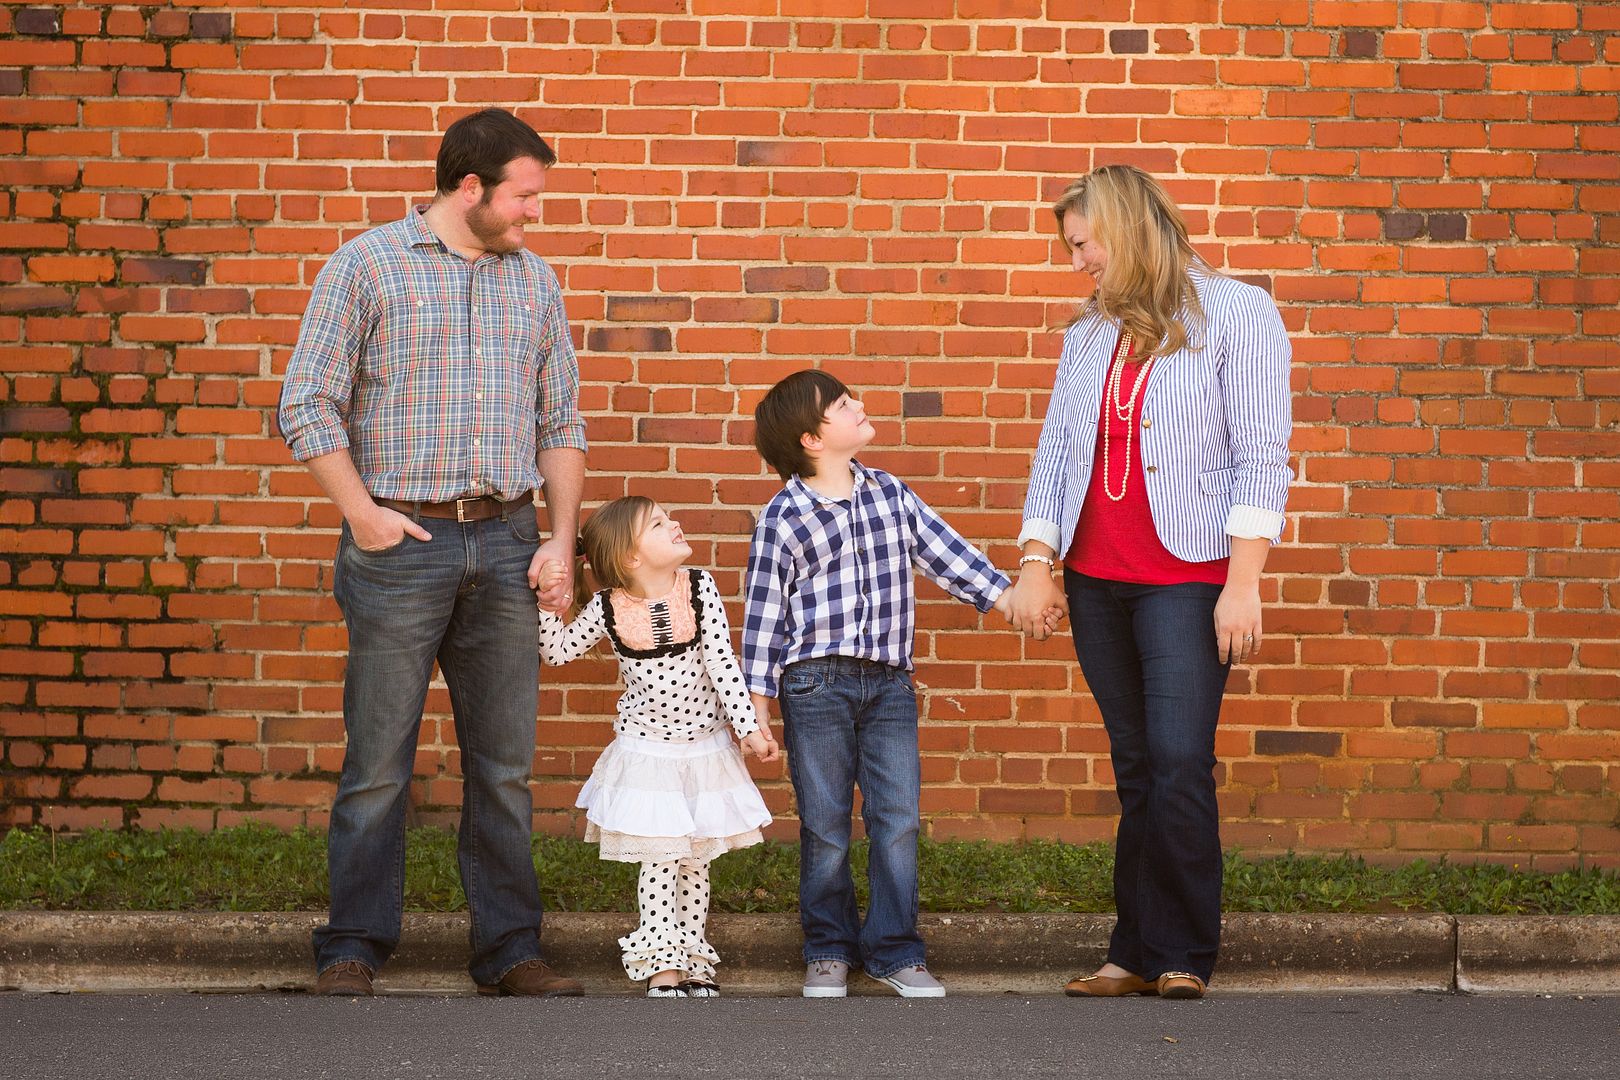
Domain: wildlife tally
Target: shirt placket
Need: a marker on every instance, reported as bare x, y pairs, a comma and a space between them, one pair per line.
476, 483
858, 532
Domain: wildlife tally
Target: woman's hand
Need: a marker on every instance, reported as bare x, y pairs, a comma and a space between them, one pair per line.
1034, 605
1237, 621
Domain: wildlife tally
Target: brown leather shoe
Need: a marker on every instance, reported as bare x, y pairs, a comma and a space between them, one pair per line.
533, 978
1109, 986
347, 977
1180, 986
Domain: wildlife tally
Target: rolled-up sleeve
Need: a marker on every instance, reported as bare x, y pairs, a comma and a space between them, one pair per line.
319, 385
558, 422
1259, 415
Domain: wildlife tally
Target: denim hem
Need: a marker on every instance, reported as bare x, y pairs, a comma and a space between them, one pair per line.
918, 962
509, 968
371, 968
808, 959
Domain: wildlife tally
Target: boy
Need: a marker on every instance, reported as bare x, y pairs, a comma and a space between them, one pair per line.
828, 630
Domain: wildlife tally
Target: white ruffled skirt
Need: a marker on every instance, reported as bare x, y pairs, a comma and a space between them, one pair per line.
654, 801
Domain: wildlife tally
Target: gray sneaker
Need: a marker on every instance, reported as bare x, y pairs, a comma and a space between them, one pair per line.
826, 979
915, 982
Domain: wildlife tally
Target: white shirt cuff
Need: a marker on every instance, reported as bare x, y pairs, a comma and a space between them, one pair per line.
1254, 523
1044, 531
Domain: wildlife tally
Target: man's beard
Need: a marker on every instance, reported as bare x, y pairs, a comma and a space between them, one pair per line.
491, 231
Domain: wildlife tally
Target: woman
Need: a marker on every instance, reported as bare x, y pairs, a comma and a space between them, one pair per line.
1159, 482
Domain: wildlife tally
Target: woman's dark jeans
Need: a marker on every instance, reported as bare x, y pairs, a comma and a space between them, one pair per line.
1148, 655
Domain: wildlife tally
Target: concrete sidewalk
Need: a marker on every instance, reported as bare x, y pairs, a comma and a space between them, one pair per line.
974, 953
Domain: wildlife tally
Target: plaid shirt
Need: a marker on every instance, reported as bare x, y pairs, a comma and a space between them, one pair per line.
442, 378
833, 578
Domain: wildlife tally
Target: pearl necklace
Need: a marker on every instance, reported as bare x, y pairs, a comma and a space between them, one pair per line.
1123, 410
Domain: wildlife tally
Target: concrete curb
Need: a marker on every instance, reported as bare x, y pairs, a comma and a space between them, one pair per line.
54, 951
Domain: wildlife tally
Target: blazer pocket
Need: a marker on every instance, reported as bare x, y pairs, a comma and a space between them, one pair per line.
1216, 481
1084, 435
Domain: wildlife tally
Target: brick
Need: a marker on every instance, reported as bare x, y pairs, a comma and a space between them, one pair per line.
1439, 643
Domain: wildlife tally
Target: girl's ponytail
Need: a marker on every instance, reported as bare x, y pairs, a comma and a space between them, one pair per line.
582, 589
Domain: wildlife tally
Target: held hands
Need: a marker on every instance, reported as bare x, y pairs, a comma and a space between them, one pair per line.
556, 592
1035, 606
552, 574
760, 745
381, 528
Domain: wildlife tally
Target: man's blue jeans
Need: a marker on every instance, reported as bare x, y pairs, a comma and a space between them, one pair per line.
849, 722
462, 599
1148, 655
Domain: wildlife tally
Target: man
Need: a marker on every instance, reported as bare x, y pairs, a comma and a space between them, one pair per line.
432, 393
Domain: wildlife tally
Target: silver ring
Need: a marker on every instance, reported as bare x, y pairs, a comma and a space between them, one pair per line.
1248, 637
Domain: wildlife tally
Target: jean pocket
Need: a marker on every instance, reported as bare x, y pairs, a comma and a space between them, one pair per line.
902, 679
391, 549
799, 685
524, 528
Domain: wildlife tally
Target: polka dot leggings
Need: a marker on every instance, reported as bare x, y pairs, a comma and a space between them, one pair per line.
674, 900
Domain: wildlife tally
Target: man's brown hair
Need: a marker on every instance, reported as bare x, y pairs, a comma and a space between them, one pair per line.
795, 407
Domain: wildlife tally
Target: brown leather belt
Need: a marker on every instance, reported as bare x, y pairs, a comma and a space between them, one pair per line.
481, 508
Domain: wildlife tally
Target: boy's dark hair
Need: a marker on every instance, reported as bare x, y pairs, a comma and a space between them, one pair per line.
482, 144
795, 407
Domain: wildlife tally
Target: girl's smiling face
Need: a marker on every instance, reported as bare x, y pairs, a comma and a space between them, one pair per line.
662, 545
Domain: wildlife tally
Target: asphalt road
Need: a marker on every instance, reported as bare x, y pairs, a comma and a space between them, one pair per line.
1297, 1037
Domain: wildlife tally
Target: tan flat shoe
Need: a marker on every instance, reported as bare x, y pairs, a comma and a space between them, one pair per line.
1180, 986
1109, 986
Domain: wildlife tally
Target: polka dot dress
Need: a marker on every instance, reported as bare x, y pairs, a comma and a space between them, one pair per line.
675, 691
671, 791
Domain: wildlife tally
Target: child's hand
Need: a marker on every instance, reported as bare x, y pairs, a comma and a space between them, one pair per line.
761, 745
1003, 605
552, 574
1054, 617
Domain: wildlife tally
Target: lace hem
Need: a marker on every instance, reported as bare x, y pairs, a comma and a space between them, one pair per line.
624, 847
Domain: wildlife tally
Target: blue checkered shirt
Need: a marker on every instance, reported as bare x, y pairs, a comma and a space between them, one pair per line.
833, 578
441, 377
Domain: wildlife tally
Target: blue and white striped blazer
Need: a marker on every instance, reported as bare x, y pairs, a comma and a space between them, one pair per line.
1214, 435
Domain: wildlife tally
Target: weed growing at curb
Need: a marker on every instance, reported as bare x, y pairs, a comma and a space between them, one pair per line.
255, 868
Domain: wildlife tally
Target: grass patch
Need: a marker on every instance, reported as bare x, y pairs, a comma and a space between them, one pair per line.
254, 868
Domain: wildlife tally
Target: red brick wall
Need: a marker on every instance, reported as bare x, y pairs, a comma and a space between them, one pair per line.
750, 186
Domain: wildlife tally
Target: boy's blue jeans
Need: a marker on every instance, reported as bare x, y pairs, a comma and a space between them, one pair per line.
462, 599
849, 722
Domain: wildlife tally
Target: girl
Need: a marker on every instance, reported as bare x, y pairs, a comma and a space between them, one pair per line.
1158, 487
671, 791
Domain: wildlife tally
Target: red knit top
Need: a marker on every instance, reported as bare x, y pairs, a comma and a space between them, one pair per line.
1116, 540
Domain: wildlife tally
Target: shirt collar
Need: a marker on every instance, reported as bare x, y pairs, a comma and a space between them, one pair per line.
422, 236
803, 498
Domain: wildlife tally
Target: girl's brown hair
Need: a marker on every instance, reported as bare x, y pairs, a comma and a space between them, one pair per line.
1150, 259
607, 541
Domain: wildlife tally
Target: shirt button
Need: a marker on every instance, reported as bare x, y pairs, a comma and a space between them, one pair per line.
475, 443
479, 396
1146, 422
1150, 468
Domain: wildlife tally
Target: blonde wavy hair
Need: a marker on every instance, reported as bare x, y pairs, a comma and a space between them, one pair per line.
1150, 259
